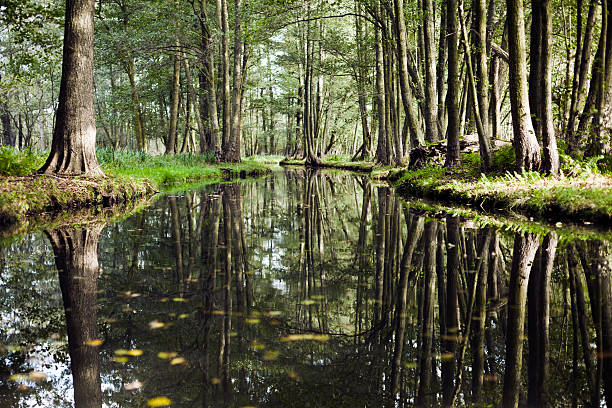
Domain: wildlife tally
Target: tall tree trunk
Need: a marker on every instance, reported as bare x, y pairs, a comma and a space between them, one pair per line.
174, 103
382, 155
452, 151
231, 150
212, 143
526, 147
73, 149
540, 82
431, 95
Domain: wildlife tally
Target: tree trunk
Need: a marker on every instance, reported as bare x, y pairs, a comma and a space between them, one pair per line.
174, 103
452, 151
73, 149
526, 148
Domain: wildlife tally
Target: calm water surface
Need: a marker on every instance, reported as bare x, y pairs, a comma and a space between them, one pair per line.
305, 290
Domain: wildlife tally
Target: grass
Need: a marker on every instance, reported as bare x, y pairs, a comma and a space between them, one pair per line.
582, 193
130, 176
166, 172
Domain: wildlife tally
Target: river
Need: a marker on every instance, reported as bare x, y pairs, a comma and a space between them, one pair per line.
303, 289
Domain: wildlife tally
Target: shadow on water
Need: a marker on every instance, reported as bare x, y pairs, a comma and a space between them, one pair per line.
303, 289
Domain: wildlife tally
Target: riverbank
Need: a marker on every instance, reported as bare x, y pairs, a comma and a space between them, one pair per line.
129, 177
583, 194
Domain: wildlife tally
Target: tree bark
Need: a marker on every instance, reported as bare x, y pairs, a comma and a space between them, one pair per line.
526, 148
73, 149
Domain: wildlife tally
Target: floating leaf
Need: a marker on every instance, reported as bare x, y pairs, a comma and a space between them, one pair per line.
155, 324
183, 316
308, 302
177, 361
165, 356
275, 313
250, 320
133, 386
159, 402
134, 353
18, 377
179, 299
299, 337
94, 343
121, 359
215, 381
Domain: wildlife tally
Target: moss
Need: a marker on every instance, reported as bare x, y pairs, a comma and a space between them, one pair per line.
582, 195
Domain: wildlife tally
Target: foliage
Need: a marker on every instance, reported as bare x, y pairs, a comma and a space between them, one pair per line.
16, 163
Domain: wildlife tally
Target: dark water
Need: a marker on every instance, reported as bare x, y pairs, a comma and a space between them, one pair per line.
305, 290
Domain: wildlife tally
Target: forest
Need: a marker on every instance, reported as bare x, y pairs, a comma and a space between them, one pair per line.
308, 79
305, 203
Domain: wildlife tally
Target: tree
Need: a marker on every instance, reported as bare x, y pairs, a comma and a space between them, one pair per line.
526, 146
73, 149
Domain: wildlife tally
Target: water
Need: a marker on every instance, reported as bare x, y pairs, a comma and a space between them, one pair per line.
302, 289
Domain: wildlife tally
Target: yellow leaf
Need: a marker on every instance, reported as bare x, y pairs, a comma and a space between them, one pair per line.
134, 353
164, 356
18, 377
94, 343
155, 324
159, 402
179, 299
177, 361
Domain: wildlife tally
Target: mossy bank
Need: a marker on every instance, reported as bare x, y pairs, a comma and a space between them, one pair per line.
582, 194
129, 177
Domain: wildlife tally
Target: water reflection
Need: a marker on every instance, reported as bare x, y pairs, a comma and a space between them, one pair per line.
311, 289
76, 258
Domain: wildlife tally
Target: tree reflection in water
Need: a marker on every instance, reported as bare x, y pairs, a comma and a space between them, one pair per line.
321, 289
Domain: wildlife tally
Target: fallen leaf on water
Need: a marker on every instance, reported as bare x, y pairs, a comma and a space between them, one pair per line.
164, 355
134, 353
133, 385
121, 360
177, 361
215, 380
94, 343
23, 387
251, 320
18, 377
155, 324
299, 337
159, 402
179, 299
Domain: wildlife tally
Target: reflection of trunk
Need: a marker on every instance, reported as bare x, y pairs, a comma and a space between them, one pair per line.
598, 281
525, 247
426, 347
539, 305
383, 199
579, 321
415, 229
451, 329
76, 258
178, 246
224, 356
479, 317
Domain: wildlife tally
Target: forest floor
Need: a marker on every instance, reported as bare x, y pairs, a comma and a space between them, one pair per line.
130, 178
582, 194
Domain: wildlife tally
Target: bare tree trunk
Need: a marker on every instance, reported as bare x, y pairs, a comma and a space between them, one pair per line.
73, 149
526, 147
452, 152
174, 103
